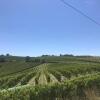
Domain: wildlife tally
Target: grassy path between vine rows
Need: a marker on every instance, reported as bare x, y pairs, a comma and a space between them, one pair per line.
42, 72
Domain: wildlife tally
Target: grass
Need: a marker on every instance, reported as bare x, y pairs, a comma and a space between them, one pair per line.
74, 89
15, 67
60, 78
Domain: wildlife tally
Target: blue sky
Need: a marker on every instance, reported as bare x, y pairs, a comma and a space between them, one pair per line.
36, 27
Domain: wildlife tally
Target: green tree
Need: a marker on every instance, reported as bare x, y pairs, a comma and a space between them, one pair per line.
7, 54
27, 59
2, 58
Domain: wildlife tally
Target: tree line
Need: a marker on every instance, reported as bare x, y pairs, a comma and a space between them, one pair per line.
37, 60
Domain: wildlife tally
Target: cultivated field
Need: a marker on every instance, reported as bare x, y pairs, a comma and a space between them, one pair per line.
57, 78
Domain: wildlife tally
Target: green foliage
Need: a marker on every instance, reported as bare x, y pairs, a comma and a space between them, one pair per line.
68, 90
15, 67
27, 59
2, 58
66, 78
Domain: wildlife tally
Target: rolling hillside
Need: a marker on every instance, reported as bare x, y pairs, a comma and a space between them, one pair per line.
55, 78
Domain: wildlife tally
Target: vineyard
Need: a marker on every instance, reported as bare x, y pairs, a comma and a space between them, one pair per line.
59, 78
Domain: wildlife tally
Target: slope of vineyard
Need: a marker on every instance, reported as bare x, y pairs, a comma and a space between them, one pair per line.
81, 88
59, 78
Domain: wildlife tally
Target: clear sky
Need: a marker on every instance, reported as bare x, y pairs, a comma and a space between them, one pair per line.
36, 27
